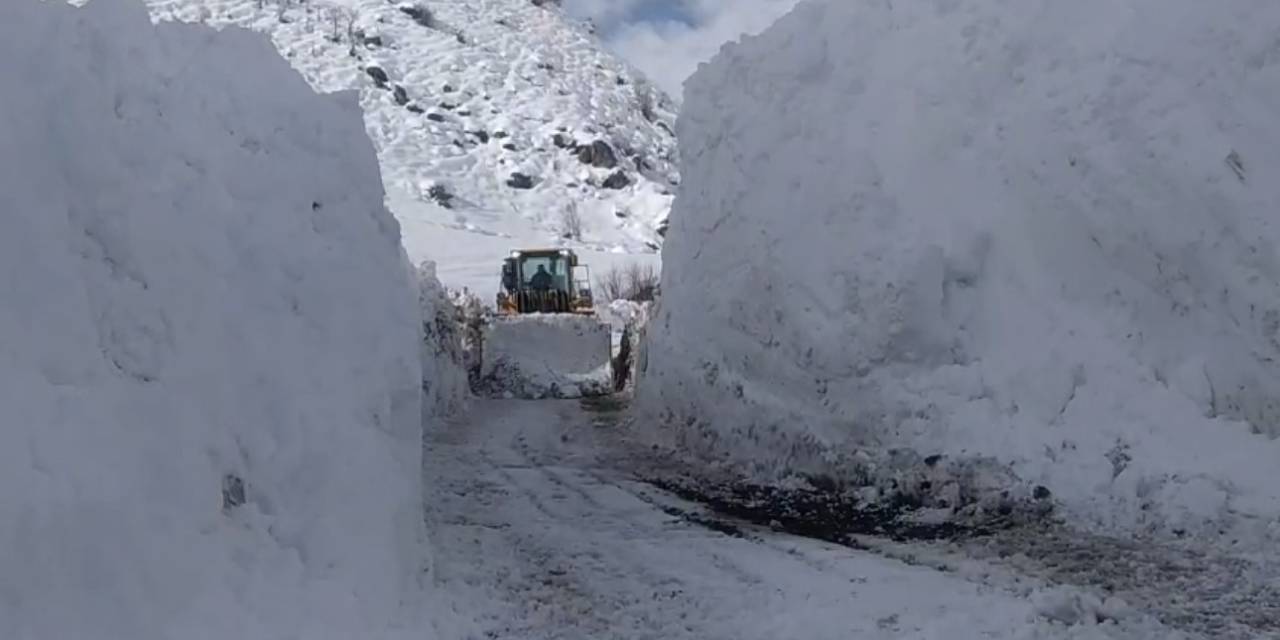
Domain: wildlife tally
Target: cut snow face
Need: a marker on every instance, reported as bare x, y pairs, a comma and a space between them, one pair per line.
444, 367
506, 117
209, 383
954, 250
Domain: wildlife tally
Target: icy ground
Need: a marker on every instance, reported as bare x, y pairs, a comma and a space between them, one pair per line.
544, 527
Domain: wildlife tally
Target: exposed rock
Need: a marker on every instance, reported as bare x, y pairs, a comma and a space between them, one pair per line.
233, 493
520, 181
564, 141
599, 154
379, 76
401, 96
617, 180
441, 195
420, 14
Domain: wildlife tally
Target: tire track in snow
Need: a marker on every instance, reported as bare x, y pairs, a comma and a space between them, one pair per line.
570, 545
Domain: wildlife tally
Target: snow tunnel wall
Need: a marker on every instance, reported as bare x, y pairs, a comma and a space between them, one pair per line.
200, 284
1037, 238
445, 389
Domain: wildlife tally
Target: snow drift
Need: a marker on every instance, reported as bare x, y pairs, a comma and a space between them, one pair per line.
1036, 239
209, 383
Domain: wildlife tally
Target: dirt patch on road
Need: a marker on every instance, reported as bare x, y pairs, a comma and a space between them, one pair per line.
832, 516
1207, 594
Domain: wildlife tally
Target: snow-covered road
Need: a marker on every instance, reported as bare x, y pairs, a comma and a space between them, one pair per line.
541, 529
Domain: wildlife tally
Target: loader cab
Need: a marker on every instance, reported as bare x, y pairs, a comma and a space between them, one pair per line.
570, 283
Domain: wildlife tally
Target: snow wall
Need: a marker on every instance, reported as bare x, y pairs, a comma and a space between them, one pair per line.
209, 375
627, 319
1036, 238
445, 388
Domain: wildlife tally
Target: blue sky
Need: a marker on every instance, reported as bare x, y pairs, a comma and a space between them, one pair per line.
667, 39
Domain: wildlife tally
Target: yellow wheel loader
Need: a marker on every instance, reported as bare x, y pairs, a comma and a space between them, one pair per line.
546, 340
545, 281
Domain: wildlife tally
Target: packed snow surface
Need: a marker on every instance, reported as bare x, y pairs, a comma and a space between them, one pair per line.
460, 97
1037, 238
209, 375
542, 531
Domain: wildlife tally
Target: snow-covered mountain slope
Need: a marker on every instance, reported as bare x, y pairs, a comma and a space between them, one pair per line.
955, 248
209, 373
505, 115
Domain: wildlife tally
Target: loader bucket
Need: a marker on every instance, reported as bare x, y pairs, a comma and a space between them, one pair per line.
557, 355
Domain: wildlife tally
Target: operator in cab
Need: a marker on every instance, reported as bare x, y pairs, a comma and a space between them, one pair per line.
541, 281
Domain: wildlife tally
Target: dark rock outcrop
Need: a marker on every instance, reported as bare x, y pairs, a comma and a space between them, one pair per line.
616, 180
520, 181
598, 154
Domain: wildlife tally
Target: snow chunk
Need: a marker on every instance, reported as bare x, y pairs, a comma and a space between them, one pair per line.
1038, 237
209, 380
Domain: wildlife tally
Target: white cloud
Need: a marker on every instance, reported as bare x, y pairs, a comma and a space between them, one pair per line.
669, 50
607, 14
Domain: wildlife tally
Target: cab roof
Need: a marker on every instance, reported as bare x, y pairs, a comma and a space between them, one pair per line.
542, 252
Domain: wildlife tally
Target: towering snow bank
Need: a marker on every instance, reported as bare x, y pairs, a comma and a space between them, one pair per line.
1039, 234
209, 386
